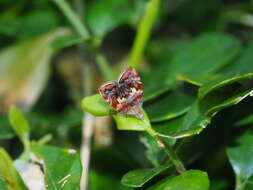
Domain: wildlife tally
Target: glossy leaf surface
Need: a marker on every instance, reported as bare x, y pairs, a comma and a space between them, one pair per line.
138, 178
9, 174
170, 72
62, 167
19, 124
189, 180
241, 156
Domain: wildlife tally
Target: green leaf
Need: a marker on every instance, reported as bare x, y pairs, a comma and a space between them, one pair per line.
96, 105
9, 174
6, 131
241, 156
24, 70
156, 155
230, 101
168, 107
137, 178
3, 186
189, 180
98, 181
245, 121
239, 70
132, 123
62, 167
197, 118
67, 41
103, 17
249, 184
19, 125
190, 124
219, 184
26, 27
217, 50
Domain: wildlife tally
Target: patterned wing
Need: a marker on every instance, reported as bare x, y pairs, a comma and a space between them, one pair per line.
130, 93
131, 78
109, 93
126, 94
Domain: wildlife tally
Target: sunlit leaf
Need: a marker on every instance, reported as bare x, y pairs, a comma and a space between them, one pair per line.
19, 124
9, 174
24, 70
62, 167
3, 185
137, 178
132, 123
96, 105
189, 180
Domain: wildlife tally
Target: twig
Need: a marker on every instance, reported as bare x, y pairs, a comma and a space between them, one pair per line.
87, 130
88, 119
169, 150
87, 122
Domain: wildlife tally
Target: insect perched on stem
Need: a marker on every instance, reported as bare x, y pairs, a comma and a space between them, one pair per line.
125, 95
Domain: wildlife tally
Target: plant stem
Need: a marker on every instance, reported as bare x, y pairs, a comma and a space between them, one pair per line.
88, 119
87, 129
143, 32
169, 150
27, 150
104, 66
239, 185
84, 33
173, 156
73, 18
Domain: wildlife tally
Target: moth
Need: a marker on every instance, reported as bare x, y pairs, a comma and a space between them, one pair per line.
126, 94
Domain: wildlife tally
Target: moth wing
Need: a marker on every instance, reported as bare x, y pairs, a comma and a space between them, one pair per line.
135, 110
131, 78
109, 93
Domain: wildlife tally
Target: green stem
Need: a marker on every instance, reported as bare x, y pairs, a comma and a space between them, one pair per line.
104, 66
83, 32
27, 150
143, 32
168, 149
73, 18
45, 139
239, 185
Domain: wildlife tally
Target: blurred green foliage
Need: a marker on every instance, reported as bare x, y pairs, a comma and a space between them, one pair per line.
197, 71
